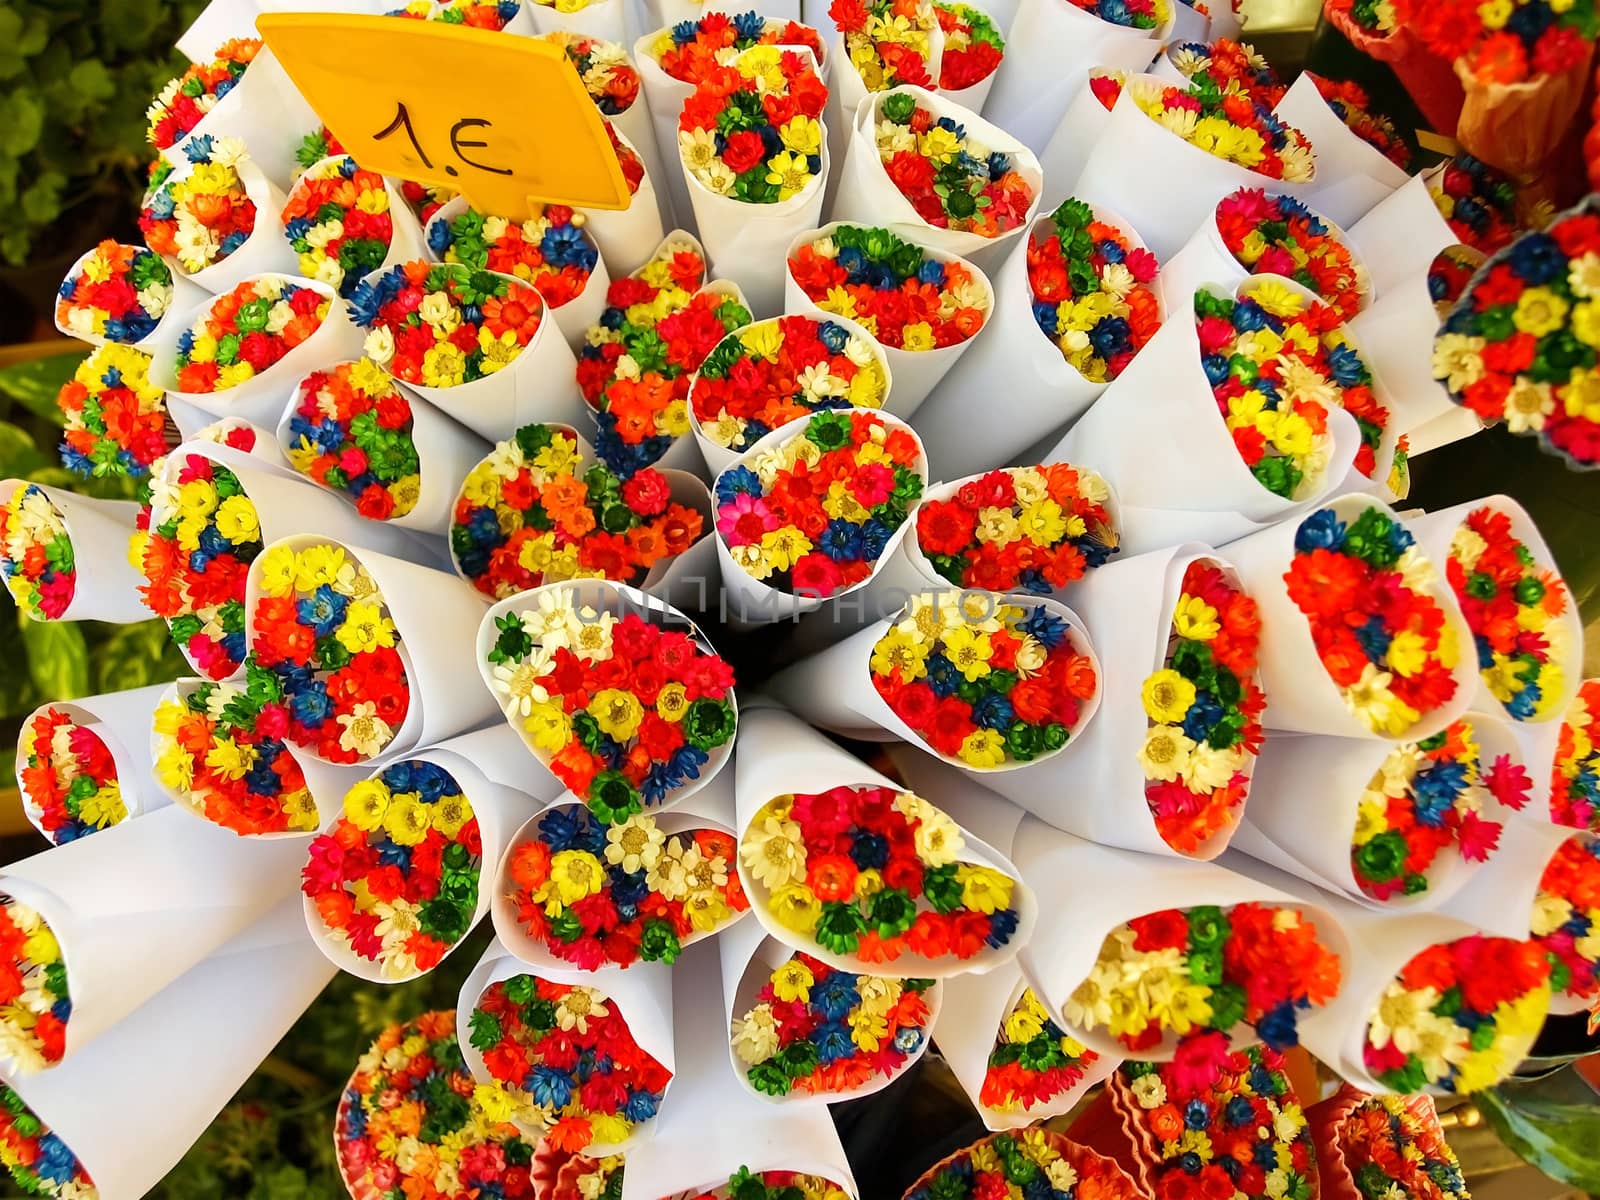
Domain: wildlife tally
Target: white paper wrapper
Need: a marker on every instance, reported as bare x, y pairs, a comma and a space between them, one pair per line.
867, 197
266, 111
106, 587
119, 719
260, 398
1352, 175
781, 756
406, 243
1089, 890
600, 18
915, 372
434, 614
1434, 531
1442, 430
497, 807
185, 295
751, 601
133, 1104
1132, 167
537, 386
619, 600
1399, 238
710, 1125
1081, 126
219, 21
264, 449
642, 994
847, 90
1050, 47
445, 453
627, 237
137, 905
971, 425
664, 96
1301, 695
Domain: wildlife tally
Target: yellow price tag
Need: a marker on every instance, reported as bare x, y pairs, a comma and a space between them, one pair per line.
501, 118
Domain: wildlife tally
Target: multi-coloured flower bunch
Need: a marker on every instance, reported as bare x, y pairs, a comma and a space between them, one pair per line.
67, 773
1513, 606
984, 684
1107, 83
1521, 344
526, 517
1093, 293
351, 432
947, 174
1575, 778
1204, 706
37, 1160
1427, 797
36, 557
1230, 126
550, 250
1030, 1160
245, 331
1275, 234
492, 15
1566, 918
1383, 637
204, 216
888, 42
412, 1121
753, 130
874, 873
337, 220
610, 79
973, 47
323, 628
1227, 65
1507, 43
564, 1060
1478, 203
1394, 1144
445, 324
1371, 16
787, 527
118, 293
204, 533
628, 159
778, 370
1459, 1016
34, 1005
1448, 275
184, 102
594, 893
221, 748
691, 50
745, 1184
817, 1030
424, 199
622, 711
1134, 14
316, 146
114, 419
1033, 1061
1350, 103
1020, 529
896, 291
396, 876
1240, 1129
1213, 969
584, 1178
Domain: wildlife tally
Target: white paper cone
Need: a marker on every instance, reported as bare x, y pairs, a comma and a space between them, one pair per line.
1396, 336
267, 112
1188, 24
642, 994
977, 95
868, 197
121, 720
131, 1106
968, 423
636, 125
218, 22
915, 372
1301, 695
185, 295
1133, 165
604, 597
260, 399
1081, 126
106, 586
264, 450
664, 96
1049, 49
1088, 890
1434, 531
1352, 175
600, 18
781, 756
751, 601
710, 1126
687, 581
434, 615
406, 242
627, 237
137, 905
498, 810
1399, 237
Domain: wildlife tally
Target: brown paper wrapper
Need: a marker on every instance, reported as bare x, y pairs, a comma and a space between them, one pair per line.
1326, 1117
1075, 1152
1518, 126
1426, 77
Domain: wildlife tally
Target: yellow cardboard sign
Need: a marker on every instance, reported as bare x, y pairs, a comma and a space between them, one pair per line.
501, 118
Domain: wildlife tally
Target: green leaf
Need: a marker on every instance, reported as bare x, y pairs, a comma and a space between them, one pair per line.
21, 123
1553, 1123
34, 383
134, 656
18, 696
41, 199
92, 81
19, 457
58, 657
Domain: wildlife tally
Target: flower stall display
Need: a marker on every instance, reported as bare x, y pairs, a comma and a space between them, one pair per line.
344, 223
973, 51
36, 554
68, 776
119, 294
63, 555
350, 430
1034, 1060
1226, 66
115, 421
183, 103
